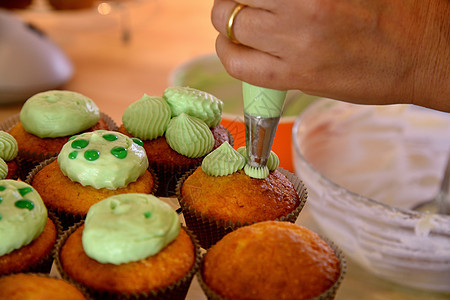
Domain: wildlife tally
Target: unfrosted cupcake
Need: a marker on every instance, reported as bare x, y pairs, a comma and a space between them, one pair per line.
272, 260
90, 167
38, 286
27, 234
47, 120
130, 246
224, 193
178, 129
9, 166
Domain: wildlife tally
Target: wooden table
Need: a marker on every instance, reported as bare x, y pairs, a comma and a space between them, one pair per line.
115, 73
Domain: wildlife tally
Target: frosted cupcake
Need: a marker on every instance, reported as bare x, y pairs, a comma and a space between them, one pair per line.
224, 193
27, 234
47, 120
91, 167
130, 246
178, 129
9, 166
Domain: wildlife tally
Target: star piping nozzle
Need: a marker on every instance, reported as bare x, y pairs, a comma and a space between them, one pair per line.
262, 112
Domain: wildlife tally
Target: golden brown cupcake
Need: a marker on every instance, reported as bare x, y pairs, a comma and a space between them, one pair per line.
92, 166
222, 194
27, 234
130, 243
272, 260
37, 286
178, 130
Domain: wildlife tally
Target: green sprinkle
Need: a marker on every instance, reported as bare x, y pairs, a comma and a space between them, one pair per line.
24, 191
110, 137
1, 199
138, 141
119, 152
24, 204
147, 214
0, 217
91, 155
80, 144
73, 154
2, 188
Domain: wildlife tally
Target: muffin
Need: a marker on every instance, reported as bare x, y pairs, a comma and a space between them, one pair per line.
129, 245
47, 120
9, 166
272, 260
224, 193
27, 234
37, 286
178, 129
90, 167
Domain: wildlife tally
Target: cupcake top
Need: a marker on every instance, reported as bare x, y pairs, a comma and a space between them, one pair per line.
224, 160
183, 115
8, 146
128, 227
103, 159
57, 113
22, 215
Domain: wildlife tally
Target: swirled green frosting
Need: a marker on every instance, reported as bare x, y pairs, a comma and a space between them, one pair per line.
243, 151
273, 162
22, 215
256, 172
103, 159
128, 227
58, 113
3, 169
189, 136
223, 161
195, 103
8, 146
147, 118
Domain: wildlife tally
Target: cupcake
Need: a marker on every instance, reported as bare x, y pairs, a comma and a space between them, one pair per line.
178, 129
129, 246
90, 167
37, 286
27, 234
224, 193
272, 260
9, 167
47, 120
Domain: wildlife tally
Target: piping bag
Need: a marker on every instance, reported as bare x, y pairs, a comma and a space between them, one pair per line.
262, 112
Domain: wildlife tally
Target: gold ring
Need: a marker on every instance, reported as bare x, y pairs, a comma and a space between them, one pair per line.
230, 22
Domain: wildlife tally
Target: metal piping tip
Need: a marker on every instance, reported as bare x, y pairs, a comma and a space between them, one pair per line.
259, 136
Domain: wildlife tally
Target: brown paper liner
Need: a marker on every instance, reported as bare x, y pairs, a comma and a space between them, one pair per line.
329, 294
210, 230
68, 219
170, 175
177, 290
71, 282
28, 160
44, 265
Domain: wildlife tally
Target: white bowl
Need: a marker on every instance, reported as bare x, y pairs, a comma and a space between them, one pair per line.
364, 167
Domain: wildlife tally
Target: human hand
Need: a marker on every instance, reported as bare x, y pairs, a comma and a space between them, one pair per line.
369, 52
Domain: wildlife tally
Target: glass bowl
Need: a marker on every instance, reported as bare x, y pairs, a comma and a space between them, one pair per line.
365, 167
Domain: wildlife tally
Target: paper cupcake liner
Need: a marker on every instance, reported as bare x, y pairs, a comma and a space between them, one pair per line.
329, 294
210, 230
28, 160
177, 290
170, 175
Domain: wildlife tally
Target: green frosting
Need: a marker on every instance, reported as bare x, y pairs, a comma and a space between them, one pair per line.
3, 169
273, 162
103, 159
22, 215
128, 227
147, 118
58, 113
223, 161
256, 172
243, 151
189, 136
8, 146
195, 103
262, 102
